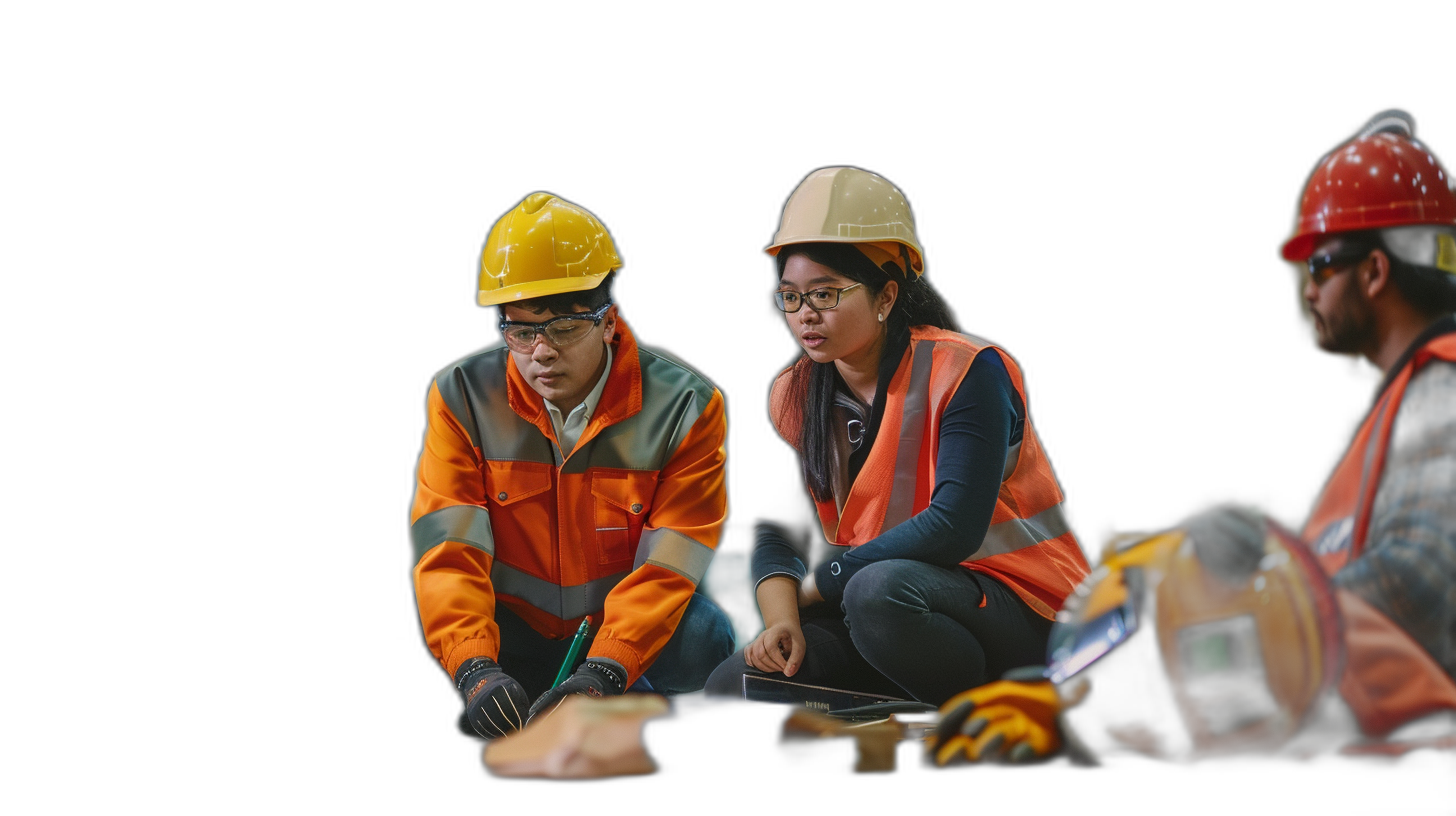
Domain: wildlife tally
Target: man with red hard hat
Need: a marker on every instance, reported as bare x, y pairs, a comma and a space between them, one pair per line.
1377, 235
1251, 625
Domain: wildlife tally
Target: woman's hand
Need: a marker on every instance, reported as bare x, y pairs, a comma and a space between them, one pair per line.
780, 648
808, 594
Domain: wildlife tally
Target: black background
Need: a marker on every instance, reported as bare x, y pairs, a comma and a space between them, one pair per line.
1121, 251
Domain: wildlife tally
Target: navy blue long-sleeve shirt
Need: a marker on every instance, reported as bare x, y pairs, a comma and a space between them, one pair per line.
982, 421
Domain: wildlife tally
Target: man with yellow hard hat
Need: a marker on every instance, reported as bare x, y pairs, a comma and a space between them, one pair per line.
1254, 633
570, 491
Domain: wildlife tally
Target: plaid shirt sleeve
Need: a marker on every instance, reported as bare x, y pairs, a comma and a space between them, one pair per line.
1408, 568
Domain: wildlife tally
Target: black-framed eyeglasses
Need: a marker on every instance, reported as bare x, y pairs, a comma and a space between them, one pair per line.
559, 331
825, 297
1323, 267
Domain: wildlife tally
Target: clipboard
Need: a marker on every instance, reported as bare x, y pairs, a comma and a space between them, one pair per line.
843, 704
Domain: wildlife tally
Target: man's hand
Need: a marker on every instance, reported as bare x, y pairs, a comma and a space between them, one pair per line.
1229, 544
597, 677
495, 704
1010, 720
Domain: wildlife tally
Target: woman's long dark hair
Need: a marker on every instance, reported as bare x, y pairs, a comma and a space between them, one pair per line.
917, 304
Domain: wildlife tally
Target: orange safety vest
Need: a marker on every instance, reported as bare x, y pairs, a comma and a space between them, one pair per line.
1388, 679
622, 527
1341, 519
1029, 546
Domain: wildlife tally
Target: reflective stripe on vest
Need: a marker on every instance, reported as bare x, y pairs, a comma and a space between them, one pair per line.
1015, 534
1336, 529
1002, 537
1338, 526
896, 479
901, 505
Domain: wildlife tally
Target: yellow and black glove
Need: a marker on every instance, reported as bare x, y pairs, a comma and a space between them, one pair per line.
1005, 722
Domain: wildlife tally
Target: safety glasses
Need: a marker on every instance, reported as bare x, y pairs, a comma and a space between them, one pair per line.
1323, 267
819, 300
559, 331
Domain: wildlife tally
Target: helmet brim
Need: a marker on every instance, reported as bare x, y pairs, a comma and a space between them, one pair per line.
542, 288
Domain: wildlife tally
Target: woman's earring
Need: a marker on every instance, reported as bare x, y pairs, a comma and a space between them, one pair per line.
881, 316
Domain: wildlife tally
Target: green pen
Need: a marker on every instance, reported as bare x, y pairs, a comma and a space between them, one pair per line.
573, 651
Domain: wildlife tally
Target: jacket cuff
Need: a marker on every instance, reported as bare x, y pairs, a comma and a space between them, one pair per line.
798, 579
774, 554
621, 653
466, 649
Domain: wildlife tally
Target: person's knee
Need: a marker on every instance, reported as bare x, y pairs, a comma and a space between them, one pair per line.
881, 591
703, 640
727, 679
707, 629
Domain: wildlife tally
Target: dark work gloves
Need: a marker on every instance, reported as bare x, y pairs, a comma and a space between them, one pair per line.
1229, 541
597, 677
495, 704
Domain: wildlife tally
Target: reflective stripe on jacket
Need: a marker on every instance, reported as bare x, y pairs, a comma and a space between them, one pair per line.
1389, 678
622, 528
1029, 546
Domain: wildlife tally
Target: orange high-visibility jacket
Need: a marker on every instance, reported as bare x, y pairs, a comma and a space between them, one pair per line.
622, 528
1389, 678
1029, 547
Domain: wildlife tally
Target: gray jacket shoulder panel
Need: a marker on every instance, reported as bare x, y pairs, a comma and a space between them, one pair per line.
666, 381
474, 389
674, 396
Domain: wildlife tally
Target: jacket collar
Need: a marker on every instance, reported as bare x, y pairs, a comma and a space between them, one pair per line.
1443, 326
621, 398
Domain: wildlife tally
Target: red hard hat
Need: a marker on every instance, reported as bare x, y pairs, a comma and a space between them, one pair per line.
1381, 178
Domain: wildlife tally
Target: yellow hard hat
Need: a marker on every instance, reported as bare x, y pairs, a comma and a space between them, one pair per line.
1177, 663
544, 246
848, 205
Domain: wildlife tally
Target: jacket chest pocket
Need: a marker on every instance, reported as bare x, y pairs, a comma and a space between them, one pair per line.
522, 512
621, 500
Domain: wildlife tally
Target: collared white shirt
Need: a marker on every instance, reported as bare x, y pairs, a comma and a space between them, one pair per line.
569, 430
